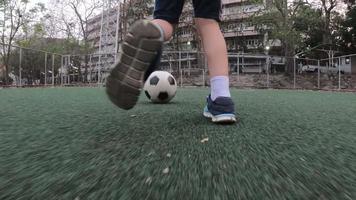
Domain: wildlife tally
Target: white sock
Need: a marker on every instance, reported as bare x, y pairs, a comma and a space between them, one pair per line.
219, 86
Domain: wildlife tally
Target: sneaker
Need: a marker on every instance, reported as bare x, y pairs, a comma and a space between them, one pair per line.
140, 49
222, 110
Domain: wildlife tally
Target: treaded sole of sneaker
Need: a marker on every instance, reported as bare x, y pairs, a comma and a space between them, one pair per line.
139, 49
223, 119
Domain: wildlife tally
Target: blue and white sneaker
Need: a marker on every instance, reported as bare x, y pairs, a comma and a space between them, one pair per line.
222, 110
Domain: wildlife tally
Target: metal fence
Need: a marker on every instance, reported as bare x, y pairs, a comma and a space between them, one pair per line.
86, 69
29, 67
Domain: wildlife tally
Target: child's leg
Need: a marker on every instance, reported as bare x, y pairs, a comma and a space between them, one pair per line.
215, 49
220, 107
140, 54
166, 28
166, 13
214, 46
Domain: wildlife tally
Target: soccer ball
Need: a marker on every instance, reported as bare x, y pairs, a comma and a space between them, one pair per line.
160, 87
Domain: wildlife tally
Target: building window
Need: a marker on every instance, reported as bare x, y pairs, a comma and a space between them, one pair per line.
253, 42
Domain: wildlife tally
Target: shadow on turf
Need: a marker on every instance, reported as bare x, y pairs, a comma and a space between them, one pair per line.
196, 118
161, 104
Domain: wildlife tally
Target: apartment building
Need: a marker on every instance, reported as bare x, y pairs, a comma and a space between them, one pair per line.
239, 33
108, 31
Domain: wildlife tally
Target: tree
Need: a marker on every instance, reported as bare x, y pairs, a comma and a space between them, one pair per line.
348, 31
89, 9
75, 26
12, 12
131, 11
15, 15
327, 8
33, 56
299, 24
278, 20
349, 3
308, 22
138, 9
32, 61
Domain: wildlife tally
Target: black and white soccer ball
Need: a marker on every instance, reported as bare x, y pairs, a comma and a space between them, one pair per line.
160, 87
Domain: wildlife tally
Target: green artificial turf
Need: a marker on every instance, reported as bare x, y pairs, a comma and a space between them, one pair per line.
72, 143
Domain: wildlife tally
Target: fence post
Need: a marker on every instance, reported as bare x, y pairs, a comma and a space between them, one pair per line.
20, 68
180, 69
267, 70
203, 73
243, 61
99, 69
294, 74
45, 73
53, 70
61, 74
318, 74
189, 65
238, 67
68, 74
91, 68
170, 64
339, 64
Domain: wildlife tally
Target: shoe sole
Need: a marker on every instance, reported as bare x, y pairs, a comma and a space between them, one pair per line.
221, 119
139, 49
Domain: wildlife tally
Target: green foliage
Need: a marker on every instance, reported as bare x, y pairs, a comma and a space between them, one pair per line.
299, 24
350, 3
308, 22
287, 23
33, 61
138, 9
348, 31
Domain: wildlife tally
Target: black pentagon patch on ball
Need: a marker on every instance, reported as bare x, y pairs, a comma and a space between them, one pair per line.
154, 80
171, 80
147, 94
163, 96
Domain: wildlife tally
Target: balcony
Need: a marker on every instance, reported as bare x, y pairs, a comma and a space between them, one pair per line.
224, 2
241, 33
234, 16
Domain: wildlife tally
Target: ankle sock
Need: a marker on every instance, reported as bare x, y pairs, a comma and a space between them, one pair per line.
219, 86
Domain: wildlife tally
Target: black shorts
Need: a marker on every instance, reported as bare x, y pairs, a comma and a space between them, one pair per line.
170, 10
